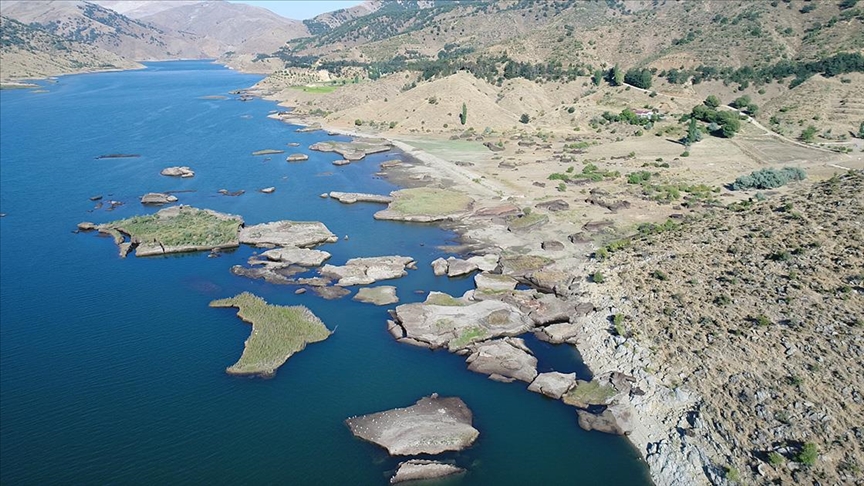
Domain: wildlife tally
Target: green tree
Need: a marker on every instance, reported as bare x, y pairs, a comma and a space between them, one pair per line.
524, 118
861, 130
597, 78
741, 102
712, 101
641, 78
808, 454
463, 117
616, 77
693, 133
808, 134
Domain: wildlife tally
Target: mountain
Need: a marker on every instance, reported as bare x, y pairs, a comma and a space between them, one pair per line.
88, 23
239, 28
331, 20
29, 52
135, 9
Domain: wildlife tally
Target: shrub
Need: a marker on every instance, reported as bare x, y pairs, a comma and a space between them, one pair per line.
768, 178
659, 275
358, 122
775, 458
524, 118
712, 101
598, 277
686, 153
808, 454
638, 177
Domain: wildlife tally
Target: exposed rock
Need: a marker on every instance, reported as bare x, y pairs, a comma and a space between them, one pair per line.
439, 267
542, 309
494, 147
298, 256
297, 158
563, 332
527, 222
431, 426
494, 282
226, 192
178, 172
501, 211
418, 469
268, 190
553, 281
457, 267
578, 238
552, 245
388, 164
299, 234
341, 162
616, 419
158, 198
86, 226
364, 271
554, 205
553, 384
455, 323
426, 205
355, 150
268, 152
353, 197
275, 273
383, 295
330, 293
587, 394
504, 360
300, 291
96, 197
486, 263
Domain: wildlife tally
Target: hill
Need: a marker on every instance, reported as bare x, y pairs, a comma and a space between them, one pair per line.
29, 52
91, 24
757, 308
136, 9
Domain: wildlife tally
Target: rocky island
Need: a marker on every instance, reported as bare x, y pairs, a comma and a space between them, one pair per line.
277, 333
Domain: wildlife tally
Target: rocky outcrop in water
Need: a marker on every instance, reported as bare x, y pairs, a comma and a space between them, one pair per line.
158, 198
353, 197
357, 149
504, 360
553, 384
178, 172
431, 426
383, 295
300, 234
365, 271
418, 469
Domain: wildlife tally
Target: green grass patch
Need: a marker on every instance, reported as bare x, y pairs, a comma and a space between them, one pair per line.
589, 393
444, 299
277, 333
181, 226
427, 201
468, 336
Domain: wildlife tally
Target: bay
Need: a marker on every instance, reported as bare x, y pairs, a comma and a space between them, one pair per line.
112, 370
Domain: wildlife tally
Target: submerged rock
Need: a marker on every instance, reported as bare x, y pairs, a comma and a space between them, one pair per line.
418, 469
364, 271
505, 360
431, 426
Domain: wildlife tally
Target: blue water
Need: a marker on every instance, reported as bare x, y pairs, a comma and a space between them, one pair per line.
112, 370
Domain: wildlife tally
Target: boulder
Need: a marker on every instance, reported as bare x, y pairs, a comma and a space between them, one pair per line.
552, 245
486, 263
615, 419
564, 332
502, 211
418, 469
503, 360
554, 205
341, 162
297, 158
268, 190
299, 234
157, 198
552, 281
431, 426
178, 172
364, 271
304, 257
383, 295
493, 282
439, 267
553, 384
457, 267
455, 323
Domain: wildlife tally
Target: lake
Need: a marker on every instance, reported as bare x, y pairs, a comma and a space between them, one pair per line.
113, 370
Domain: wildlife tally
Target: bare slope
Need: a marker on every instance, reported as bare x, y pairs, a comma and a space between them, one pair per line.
27, 52
98, 26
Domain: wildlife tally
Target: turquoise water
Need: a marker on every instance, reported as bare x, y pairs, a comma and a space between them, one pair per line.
112, 370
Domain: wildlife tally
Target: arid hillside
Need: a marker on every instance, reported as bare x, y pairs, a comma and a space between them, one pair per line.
759, 309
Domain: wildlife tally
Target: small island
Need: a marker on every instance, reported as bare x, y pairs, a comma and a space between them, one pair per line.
277, 333
425, 205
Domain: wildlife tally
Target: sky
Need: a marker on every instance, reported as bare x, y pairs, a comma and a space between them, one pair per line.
299, 9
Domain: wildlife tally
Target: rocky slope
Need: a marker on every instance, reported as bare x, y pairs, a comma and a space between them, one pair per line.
755, 316
29, 52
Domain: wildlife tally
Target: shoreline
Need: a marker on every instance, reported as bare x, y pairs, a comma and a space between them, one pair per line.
672, 457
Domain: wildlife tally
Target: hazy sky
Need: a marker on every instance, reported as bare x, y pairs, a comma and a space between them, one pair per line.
299, 9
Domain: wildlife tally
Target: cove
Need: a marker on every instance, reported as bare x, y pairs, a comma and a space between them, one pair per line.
113, 370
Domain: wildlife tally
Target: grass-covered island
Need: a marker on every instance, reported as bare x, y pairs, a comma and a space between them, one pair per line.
175, 230
425, 204
277, 333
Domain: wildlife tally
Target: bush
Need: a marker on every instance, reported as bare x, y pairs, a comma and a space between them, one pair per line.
524, 118
775, 458
641, 78
598, 277
808, 454
808, 134
358, 122
768, 178
712, 101
638, 177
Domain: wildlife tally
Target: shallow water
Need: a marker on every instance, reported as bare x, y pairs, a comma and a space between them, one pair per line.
112, 370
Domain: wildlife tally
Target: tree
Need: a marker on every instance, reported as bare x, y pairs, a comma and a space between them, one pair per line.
641, 78
463, 117
597, 78
693, 132
741, 102
616, 77
861, 130
712, 101
808, 134
524, 118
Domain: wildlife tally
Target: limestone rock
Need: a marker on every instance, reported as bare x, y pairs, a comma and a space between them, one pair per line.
304, 257
561, 333
297, 158
330, 293
158, 198
383, 295
364, 271
553, 384
440, 266
86, 226
178, 172
552, 245
431, 426
268, 190
455, 323
418, 469
486, 263
457, 267
554, 205
508, 358
353, 197
616, 419
494, 282
299, 234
